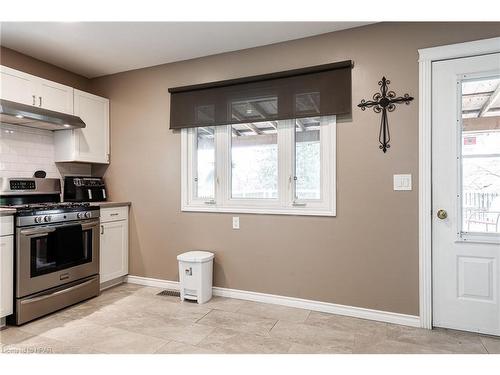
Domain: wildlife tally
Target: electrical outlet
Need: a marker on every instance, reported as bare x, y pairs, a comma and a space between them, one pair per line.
236, 222
402, 182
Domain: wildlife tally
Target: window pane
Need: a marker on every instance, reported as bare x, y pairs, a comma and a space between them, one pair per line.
307, 104
307, 158
255, 109
254, 160
480, 156
205, 163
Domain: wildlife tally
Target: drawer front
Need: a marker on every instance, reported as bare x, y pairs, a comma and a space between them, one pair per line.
44, 303
6, 225
114, 214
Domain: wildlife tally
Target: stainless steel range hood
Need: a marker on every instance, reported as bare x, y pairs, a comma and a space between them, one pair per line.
36, 117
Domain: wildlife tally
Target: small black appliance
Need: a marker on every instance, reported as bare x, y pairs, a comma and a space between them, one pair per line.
84, 189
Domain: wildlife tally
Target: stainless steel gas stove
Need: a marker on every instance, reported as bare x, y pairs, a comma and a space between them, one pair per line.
56, 247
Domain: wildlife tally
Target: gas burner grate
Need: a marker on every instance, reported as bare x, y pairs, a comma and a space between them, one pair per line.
51, 206
169, 293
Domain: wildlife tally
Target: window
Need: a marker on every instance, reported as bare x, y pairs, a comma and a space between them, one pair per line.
307, 159
254, 161
269, 167
204, 182
480, 160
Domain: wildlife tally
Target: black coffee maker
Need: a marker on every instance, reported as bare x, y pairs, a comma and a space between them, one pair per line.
84, 189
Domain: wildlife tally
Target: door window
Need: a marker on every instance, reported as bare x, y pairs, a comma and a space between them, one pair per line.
480, 159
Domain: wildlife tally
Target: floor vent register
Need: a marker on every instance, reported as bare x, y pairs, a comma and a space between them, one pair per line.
169, 293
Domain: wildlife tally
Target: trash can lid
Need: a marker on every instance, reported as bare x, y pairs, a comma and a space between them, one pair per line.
196, 256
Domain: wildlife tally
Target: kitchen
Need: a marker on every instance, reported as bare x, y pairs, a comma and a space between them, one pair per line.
41, 118
248, 188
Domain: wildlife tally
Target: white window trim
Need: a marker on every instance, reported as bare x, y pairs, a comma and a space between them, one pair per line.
285, 204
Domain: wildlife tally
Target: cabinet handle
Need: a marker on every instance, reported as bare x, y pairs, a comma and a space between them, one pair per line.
40, 99
34, 99
102, 229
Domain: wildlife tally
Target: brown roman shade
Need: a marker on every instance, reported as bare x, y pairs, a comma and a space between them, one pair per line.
314, 91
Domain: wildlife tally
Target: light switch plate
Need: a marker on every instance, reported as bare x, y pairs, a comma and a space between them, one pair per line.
236, 222
402, 182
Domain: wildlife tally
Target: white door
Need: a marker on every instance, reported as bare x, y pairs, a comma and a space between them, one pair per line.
17, 86
93, 140
466, 188
54, 96
113, 250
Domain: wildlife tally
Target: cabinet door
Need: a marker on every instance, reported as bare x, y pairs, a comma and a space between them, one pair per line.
113, 250
6, 275
93, 140
17, 86
54, 96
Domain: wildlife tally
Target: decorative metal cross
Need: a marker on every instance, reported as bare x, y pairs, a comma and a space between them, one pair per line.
384, 101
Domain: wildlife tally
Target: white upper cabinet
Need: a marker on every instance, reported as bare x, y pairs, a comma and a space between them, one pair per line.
90, 144
93, 140
55, 97
27, 89
17, 86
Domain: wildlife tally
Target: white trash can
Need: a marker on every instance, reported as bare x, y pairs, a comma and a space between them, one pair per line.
195, 275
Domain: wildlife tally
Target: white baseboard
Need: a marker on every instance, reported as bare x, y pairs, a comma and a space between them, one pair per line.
332, 308
158, 283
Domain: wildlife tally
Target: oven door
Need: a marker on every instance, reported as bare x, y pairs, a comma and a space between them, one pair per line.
51, 255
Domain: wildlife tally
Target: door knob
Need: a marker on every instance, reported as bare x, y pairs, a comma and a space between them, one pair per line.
442, 214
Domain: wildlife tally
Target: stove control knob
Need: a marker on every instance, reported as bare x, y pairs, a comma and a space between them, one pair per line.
79, 215
46, 219
38, 219
88, 215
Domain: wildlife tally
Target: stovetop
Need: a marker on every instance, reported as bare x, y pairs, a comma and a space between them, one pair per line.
51, 206
52, 213
35, 209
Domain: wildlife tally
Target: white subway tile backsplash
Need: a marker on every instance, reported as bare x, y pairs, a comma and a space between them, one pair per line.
24, 150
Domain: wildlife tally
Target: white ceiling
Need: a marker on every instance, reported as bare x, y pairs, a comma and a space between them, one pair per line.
93, 49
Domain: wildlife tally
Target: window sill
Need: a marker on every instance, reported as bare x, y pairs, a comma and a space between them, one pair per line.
294, 211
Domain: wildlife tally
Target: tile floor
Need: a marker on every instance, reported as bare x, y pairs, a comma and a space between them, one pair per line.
133, 319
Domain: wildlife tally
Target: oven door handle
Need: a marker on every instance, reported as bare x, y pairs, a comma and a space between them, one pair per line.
47, 229
67, 290
38, 232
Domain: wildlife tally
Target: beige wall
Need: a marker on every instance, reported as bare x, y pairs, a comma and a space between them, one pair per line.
367, 256
27, 64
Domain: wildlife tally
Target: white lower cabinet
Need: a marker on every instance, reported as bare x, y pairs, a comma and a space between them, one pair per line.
114, 243
6, 266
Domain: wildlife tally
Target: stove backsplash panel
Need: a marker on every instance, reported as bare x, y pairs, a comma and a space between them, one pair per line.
24, 150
